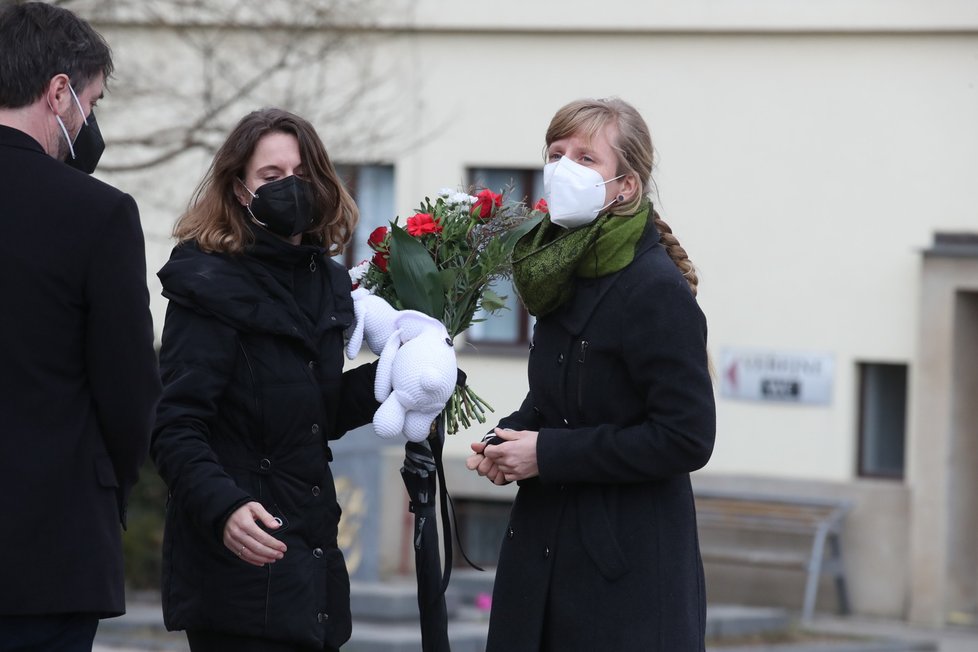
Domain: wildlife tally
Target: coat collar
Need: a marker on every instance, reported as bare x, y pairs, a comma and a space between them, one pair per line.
243, 291
576, 313
10, 137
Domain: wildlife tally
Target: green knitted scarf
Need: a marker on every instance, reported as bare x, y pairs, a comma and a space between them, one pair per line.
546, 259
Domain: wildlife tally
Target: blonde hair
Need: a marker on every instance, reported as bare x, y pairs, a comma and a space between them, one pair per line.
215, 219
633, 142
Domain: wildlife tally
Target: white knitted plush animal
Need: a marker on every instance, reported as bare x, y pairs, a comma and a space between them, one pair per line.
415, 377
372, 317
417, 370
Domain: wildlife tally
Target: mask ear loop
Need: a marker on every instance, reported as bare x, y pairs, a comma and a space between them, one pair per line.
64, 129
248, 205
614, 200
78, 104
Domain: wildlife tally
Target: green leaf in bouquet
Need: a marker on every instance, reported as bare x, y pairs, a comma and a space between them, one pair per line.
491, 302
415, 275
448, 279
508, 239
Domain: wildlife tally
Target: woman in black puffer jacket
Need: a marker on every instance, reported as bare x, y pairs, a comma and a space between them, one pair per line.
254, 390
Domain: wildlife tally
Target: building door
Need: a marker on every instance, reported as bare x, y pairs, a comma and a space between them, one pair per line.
942, 441
962, 572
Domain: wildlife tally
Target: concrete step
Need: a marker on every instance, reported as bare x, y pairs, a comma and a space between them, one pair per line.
833, 646
728, 621
406, 637
386, 620
396, 600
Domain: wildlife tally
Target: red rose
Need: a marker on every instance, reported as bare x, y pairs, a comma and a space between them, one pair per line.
422, 223
380, 260
486, 203
377, 238
541, 206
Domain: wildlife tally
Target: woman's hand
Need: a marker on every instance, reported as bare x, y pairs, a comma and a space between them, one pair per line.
243, 537
483, 466
513, 459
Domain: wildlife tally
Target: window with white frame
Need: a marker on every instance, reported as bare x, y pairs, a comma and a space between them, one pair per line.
513, 325
882, 419
372, 187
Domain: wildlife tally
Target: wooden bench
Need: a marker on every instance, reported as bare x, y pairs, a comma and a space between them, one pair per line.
776, 532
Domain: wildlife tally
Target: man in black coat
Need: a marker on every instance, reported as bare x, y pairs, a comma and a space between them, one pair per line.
78, 375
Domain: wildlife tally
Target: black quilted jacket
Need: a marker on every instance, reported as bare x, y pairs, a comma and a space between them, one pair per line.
254, 389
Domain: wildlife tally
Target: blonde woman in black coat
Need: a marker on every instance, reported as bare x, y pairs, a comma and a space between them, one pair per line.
253, 391
601, 551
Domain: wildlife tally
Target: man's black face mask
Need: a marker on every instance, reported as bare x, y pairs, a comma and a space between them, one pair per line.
88, 146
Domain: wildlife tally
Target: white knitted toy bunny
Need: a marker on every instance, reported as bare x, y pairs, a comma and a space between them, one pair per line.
417, 370
415, 377
372, 317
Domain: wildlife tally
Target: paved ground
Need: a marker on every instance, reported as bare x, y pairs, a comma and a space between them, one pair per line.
949, 639
141, 630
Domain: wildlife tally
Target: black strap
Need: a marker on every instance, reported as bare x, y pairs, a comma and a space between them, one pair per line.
447, 506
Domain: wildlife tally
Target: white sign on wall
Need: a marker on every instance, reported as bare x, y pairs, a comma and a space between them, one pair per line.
759, 375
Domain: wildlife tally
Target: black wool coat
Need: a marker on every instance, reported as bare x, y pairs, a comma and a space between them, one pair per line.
601, 551
253, 390
78, 381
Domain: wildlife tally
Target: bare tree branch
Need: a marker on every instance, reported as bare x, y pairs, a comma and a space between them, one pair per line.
213, 60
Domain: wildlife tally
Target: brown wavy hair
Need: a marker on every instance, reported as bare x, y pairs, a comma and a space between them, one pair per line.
215, 219
633, 142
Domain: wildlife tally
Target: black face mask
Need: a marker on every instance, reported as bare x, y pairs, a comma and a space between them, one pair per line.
88, 145
284, 207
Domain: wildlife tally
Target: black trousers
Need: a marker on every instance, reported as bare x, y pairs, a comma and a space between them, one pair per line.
51, 633
206, 641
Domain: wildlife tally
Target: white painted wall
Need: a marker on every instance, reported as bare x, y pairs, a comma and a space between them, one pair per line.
807, 152
803, 173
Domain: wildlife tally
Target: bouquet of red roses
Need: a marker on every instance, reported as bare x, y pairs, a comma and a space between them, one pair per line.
442, 262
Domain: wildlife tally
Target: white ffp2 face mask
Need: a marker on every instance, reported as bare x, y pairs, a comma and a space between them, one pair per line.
575, 193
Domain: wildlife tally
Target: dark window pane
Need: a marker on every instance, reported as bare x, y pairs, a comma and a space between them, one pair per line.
882, 422
481, 526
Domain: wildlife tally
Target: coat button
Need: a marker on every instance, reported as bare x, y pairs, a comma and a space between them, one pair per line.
332, 317
312, 364
315, 428
315, 491
265, 464
546, 552
317, 553
322, 617
560, 359
510, 533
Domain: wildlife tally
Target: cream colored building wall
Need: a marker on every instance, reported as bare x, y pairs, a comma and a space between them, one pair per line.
806, 153
803, 173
